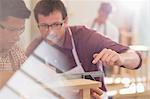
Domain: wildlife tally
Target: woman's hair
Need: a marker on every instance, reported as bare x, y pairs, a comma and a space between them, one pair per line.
15, 8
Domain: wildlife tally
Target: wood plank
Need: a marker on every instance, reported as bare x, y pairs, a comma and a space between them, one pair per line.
80, 83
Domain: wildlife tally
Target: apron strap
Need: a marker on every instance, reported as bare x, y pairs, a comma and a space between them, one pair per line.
75, 52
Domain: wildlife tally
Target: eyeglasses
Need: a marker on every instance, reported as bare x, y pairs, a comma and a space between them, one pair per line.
54, 26
13, 29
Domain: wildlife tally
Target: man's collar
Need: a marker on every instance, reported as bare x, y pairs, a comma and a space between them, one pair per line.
67, 42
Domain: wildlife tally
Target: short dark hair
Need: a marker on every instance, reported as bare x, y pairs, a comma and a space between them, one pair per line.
45, 7
105, 7
15, 8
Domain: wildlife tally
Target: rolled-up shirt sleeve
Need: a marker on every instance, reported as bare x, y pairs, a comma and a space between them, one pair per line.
100, 42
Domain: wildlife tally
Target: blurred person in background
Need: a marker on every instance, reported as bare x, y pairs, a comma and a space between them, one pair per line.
102, 24
12, 24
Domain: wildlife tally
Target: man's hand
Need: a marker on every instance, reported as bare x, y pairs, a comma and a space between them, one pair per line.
96, 93
108, 57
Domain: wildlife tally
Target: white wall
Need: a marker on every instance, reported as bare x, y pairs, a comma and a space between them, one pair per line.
81, 11
25, 37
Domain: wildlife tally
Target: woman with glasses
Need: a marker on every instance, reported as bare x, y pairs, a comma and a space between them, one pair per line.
12, 24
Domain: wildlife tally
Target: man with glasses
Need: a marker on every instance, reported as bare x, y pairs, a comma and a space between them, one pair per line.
12, 24
81, 45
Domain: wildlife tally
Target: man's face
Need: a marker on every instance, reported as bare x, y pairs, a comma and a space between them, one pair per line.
52, 25
10, 30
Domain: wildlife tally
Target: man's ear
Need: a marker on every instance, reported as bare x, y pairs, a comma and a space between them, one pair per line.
66, 21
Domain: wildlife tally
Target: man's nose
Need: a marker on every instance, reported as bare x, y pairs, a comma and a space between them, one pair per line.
49, 29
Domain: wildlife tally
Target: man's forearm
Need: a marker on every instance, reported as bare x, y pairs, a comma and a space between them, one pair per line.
130, 59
